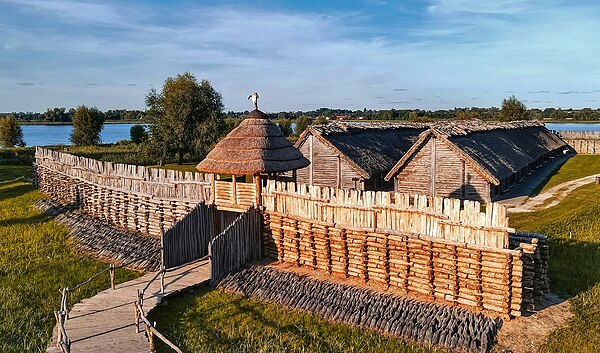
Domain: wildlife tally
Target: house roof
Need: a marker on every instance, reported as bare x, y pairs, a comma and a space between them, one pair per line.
257, 145
496, 150
370, 148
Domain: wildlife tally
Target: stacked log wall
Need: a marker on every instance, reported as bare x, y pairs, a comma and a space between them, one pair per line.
452, 273
584, 142
137, 198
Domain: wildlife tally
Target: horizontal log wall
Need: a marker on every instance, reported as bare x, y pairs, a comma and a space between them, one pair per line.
458, 274
138, 198
584, 142
453, 219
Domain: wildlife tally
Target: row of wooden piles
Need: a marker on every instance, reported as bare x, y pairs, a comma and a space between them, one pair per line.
498, 281
585, 142
452, 219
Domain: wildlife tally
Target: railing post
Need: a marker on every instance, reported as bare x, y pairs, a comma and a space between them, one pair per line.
111, 273
162, 279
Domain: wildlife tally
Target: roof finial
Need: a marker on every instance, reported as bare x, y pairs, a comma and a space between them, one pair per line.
254, 97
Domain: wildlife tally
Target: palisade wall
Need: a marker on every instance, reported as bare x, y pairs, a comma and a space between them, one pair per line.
415, 247
584, 142
142, 199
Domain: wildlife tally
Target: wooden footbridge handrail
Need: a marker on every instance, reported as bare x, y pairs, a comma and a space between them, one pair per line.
62, 315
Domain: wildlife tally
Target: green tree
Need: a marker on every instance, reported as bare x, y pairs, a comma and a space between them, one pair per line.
512, 109
285, 125
11, 134
302, 123
138, 134
186, 118
87, 124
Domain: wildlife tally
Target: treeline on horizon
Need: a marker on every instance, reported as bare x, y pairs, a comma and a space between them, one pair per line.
62, 115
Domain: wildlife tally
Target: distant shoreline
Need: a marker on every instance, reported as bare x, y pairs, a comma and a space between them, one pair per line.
40, 122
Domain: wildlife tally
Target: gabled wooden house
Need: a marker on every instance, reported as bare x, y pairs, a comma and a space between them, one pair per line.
351, 155
474, 160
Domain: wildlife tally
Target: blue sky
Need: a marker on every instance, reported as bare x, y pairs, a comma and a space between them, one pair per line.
302, 55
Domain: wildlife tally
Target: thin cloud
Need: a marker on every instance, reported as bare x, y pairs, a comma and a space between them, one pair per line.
132, 85
538, 92
400, 89
25, 83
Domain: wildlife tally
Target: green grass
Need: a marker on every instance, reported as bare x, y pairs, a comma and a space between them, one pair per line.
213, 321
127, 153
36, 260
576, 167
574, 263
185, 167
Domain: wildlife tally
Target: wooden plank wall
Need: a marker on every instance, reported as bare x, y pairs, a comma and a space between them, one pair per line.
188, 239
237, 245
454, 273
435, 170
327, 167
584, 142
138, 198
459, 220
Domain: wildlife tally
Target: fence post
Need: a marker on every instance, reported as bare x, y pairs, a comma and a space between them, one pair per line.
111, 272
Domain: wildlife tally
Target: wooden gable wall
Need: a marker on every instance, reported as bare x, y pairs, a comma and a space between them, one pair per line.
436, 170
326, 168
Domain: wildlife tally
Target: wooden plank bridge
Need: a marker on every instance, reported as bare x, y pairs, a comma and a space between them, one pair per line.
106, 321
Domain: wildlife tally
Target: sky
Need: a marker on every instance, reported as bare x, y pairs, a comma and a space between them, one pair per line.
302, 55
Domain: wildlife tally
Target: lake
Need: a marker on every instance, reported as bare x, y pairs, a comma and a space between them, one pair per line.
44, 135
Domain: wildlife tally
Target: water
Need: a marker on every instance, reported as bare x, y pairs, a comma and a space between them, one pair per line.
573, 126
46, 135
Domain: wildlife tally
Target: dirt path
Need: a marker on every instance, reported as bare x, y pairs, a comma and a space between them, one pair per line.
528, 333
552, 196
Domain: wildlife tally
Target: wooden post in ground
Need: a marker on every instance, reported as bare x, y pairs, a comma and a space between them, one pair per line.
258, 185
111, 273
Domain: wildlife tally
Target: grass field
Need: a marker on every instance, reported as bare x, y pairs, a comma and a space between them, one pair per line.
212, 321
576, 167
573, 227
36, 260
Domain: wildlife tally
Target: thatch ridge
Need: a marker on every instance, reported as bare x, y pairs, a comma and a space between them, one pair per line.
257, 145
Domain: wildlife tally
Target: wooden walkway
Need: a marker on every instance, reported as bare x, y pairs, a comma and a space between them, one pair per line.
105, 322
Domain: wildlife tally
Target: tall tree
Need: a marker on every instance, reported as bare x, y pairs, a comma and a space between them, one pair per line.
285, 125
302, 123
11, 134
138, 134
87, 125
512, 109
186, 118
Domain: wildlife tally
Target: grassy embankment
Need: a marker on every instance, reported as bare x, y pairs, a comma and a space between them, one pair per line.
36, 260
576, 167
573, 227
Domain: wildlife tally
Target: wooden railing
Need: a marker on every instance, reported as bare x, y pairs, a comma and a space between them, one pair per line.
62, 315
458, 220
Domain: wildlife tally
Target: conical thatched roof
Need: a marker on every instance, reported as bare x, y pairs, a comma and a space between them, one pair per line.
255, 146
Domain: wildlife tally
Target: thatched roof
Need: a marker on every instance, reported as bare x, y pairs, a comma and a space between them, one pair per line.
498, 150
370, 148
255, 146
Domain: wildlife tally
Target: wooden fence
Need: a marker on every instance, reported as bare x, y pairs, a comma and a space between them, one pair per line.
188, 239
138, 198
475, 277
237, 245
584, 142
452, 219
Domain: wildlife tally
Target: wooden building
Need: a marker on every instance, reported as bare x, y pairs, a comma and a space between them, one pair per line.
474, 160
583, 142
351, 155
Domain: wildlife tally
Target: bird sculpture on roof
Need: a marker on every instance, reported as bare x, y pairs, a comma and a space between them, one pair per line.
254, 97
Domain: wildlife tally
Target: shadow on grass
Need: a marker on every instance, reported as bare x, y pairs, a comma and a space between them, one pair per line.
574, 266
540, 186
31, 220
15, 191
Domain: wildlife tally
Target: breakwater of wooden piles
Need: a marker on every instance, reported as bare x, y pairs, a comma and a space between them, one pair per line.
106, 242
141, 199
454, 328
584, 142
